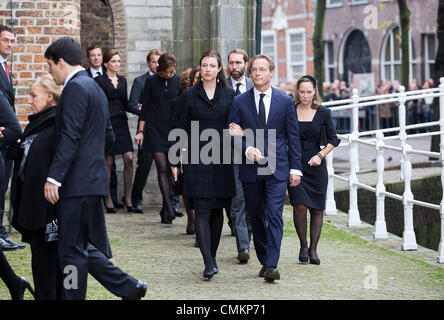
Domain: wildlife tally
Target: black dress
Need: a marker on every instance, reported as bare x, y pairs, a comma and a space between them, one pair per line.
311, 192
118, 104
157, 95
209, 186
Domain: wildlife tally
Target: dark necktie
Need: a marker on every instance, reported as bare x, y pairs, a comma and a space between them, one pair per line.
99, 73
237, 88
262, 110
7, 71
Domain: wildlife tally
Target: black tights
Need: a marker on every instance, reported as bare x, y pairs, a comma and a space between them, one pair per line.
208, 224
8, 275
300, 223
164, 179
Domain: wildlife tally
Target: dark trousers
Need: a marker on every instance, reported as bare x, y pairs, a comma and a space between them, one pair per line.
113, 184
264, 200
78, 256
144, 162
4, 182
241, 222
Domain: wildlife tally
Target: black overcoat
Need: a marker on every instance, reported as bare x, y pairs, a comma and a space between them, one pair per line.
31, 210
203, 180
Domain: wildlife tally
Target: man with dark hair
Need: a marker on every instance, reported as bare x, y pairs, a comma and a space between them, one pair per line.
238, 80
95, 59
77, 178
7, 41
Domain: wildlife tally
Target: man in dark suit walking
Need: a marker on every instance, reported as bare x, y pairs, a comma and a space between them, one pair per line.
7, 41
238, 80
269, 113
77, 178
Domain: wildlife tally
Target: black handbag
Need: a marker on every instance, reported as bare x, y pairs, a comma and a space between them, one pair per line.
51, 231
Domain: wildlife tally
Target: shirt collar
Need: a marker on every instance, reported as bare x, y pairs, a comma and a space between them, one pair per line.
72, 75
267, 92
234, 82
2, 60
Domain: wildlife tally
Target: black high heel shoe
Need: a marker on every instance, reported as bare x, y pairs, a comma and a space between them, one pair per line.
208, 272
108, 209
314, 260
302, 259
24, 284
128, 208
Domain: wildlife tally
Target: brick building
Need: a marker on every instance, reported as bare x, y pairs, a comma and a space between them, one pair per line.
133, 27
360, 36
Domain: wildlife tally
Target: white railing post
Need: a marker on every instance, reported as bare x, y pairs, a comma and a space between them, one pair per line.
408, 236
380, 225
355, 124
330, 203
402, 122
354, 219
440, 257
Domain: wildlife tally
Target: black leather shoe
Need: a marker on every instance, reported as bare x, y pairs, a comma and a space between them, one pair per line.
139, 292
314, 260
177, 213
262, 272
12, 242
208, 272
128, 208
5, 246
190, 231
215, 267
110, 210
24, 284
170, 216
243, 256
137, 208
272, 274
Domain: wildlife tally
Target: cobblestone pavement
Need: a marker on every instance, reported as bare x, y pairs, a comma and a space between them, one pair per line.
351, 268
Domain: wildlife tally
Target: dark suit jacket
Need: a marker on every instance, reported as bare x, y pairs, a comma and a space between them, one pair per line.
248, 82
136, 93
8, 120
206, 180
282, 118
7, 87
82, 128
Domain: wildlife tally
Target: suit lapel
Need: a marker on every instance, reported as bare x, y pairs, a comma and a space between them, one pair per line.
253, 110
6, 83
273, 107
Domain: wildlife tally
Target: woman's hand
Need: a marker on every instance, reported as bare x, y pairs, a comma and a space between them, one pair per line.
315, 161
174, 172
1, 132
138, 138
236, 130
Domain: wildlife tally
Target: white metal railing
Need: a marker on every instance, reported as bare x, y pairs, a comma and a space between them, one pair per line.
353, 140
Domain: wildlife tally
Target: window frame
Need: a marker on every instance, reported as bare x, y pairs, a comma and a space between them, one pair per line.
303, 62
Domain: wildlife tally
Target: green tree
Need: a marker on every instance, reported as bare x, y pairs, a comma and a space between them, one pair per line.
318, 46
404, 14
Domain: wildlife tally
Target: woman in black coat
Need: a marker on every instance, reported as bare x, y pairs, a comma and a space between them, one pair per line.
10, 131
318, 137
115, 88
155, 124
31, 210
209, 184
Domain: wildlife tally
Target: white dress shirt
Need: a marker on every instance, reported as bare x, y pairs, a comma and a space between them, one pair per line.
94, 72
242, 87
267, 104
53, 181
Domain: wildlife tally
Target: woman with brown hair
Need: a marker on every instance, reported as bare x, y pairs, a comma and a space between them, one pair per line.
209, 185
115, 88
155, 124
318, 137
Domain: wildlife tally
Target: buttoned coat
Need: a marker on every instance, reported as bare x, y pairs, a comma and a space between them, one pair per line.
201, 180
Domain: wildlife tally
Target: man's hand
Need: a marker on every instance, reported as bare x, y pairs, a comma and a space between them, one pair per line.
1, 132
254, 154
51, 192
294, 180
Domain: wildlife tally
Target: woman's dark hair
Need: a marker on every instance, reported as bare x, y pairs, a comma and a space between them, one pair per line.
221, 75
166, 61
193, 72
65, 48
109, 54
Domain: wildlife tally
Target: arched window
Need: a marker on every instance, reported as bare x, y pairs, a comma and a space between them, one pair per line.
391, 56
